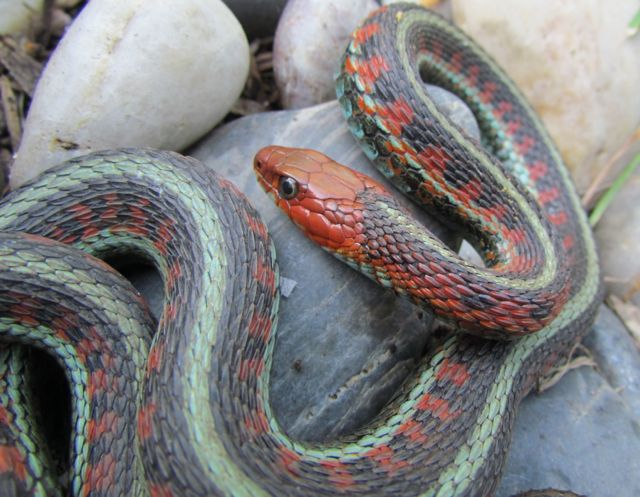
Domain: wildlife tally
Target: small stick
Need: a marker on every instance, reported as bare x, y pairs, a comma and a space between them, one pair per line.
596, 184
10, 107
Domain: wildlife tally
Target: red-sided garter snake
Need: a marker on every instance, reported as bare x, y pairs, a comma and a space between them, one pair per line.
214, 433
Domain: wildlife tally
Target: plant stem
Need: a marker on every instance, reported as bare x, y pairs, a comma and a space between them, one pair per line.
607, 198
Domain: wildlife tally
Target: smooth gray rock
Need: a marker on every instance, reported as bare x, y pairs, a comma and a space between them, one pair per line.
454, 107
344, 343
583, 434
616, 353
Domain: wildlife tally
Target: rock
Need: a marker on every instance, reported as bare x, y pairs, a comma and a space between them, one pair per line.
584, 433
616, 353
576, 65
17, 14
618, 235
333, 368
442, 7
310, 41
114, 82
455, 108
311, 37
259, 18
308, 48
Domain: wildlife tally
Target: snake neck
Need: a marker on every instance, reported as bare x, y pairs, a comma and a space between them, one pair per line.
399, 253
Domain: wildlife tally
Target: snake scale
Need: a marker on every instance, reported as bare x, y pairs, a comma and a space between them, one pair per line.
185, 411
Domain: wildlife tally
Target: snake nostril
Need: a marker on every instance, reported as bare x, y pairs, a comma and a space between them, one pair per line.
261, 159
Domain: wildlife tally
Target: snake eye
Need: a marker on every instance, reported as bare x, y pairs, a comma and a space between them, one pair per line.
288, 187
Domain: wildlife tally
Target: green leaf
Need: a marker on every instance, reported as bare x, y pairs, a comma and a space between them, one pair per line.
634, 25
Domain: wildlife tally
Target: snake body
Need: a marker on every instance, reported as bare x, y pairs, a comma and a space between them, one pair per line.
203, 423
220, 280
447, 433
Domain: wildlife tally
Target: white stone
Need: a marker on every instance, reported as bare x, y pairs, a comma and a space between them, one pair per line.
575, 63
15, 15
311, 37
137, 73
618, 236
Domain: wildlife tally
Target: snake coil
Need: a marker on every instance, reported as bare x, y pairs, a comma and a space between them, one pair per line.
194, 418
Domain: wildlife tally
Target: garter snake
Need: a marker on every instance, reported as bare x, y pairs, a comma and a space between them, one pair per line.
203, 423
448, 431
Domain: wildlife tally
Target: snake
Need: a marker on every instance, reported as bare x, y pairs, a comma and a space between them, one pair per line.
181, 407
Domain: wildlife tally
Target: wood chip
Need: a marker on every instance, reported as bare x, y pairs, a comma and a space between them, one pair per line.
246, 107
23, 68
10, 110
264, 61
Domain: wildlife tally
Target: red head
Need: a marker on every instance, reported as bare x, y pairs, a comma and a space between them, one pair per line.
318, 194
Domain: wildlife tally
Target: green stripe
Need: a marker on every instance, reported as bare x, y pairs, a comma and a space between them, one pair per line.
59, 272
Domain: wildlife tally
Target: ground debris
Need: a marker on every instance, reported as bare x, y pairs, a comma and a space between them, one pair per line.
260, 93
22, 68
578, 357
629, 314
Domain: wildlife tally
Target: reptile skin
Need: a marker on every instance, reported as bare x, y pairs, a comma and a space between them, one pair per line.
447, 433
195, 418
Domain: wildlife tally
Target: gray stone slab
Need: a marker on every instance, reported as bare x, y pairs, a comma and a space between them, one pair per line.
583, 434
618, 359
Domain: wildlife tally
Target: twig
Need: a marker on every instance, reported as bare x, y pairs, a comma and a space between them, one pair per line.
10, 108
597, 183
572, 363
629, 314
21, 66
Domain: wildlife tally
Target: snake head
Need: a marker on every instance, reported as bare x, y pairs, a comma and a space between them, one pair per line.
322, 197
